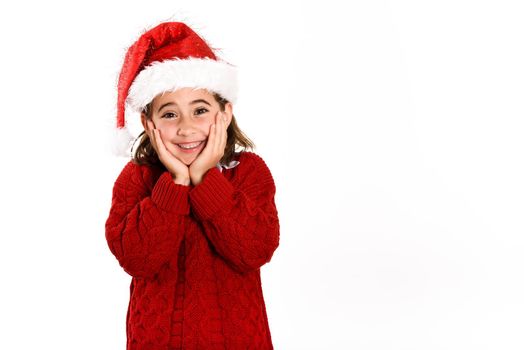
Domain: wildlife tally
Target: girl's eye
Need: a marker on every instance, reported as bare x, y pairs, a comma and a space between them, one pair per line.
169, 115
201, 111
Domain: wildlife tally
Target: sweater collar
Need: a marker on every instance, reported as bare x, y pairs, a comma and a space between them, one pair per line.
231, 165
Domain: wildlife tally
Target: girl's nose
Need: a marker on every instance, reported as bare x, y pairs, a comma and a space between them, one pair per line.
185, 128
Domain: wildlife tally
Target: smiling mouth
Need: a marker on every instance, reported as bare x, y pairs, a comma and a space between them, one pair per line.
189, 145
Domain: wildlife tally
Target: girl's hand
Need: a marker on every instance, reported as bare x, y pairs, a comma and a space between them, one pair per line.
213, 152
178, 170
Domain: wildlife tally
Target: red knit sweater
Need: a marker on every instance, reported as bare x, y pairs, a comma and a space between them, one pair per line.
194, 254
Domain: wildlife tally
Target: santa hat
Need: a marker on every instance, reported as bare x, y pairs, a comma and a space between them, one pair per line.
165, 58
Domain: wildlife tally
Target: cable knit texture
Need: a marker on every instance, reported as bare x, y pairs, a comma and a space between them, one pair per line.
194, 254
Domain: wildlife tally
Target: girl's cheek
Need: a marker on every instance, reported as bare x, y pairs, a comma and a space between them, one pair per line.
166, 125
158, 122
207, 126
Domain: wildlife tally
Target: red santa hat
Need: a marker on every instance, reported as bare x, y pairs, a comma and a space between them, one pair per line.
165, 58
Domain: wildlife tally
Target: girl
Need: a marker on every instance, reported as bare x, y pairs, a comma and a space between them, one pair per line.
191, 220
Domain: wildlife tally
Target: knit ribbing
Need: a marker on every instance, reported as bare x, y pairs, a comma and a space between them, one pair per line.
213, 194
170, 196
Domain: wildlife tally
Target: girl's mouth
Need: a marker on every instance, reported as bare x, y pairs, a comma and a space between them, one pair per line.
190, 147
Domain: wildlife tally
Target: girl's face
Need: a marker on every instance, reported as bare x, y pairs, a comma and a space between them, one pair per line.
184, 118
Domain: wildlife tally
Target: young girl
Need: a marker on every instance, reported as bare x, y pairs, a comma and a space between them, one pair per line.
191, 220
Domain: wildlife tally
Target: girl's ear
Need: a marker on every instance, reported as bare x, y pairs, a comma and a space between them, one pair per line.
228, 113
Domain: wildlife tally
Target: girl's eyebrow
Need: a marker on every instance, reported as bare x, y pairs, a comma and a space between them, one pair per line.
165, 105
191, 103
200, 100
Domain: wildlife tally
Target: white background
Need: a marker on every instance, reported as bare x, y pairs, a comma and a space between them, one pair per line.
393, 129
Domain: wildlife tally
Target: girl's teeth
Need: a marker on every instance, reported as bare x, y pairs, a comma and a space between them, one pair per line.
190, 145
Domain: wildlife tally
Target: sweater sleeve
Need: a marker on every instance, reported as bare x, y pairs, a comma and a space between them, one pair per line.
145, 226
239, 218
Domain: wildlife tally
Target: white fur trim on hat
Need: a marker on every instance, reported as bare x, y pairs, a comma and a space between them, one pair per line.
122, 142
170, 75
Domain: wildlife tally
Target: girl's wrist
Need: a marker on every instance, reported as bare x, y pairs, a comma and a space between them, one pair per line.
196, 179
182, 180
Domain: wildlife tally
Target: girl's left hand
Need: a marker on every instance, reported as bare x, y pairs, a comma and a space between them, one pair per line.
213, 152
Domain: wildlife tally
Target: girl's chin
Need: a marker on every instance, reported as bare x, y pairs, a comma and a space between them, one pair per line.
186, 156
188, 163
187, 159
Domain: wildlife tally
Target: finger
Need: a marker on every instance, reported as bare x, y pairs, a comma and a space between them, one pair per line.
219, 134
150, 132
160, 143
218, 126
223, 133
150, 125
210, 145
224, 121
211, 136
152, 135
220, 138
165, 150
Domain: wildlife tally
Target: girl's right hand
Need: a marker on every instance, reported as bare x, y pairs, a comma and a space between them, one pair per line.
178, 170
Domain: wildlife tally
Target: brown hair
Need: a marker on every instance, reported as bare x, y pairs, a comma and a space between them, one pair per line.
146, 155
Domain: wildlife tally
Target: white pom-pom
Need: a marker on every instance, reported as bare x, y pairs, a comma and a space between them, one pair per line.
123, 141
